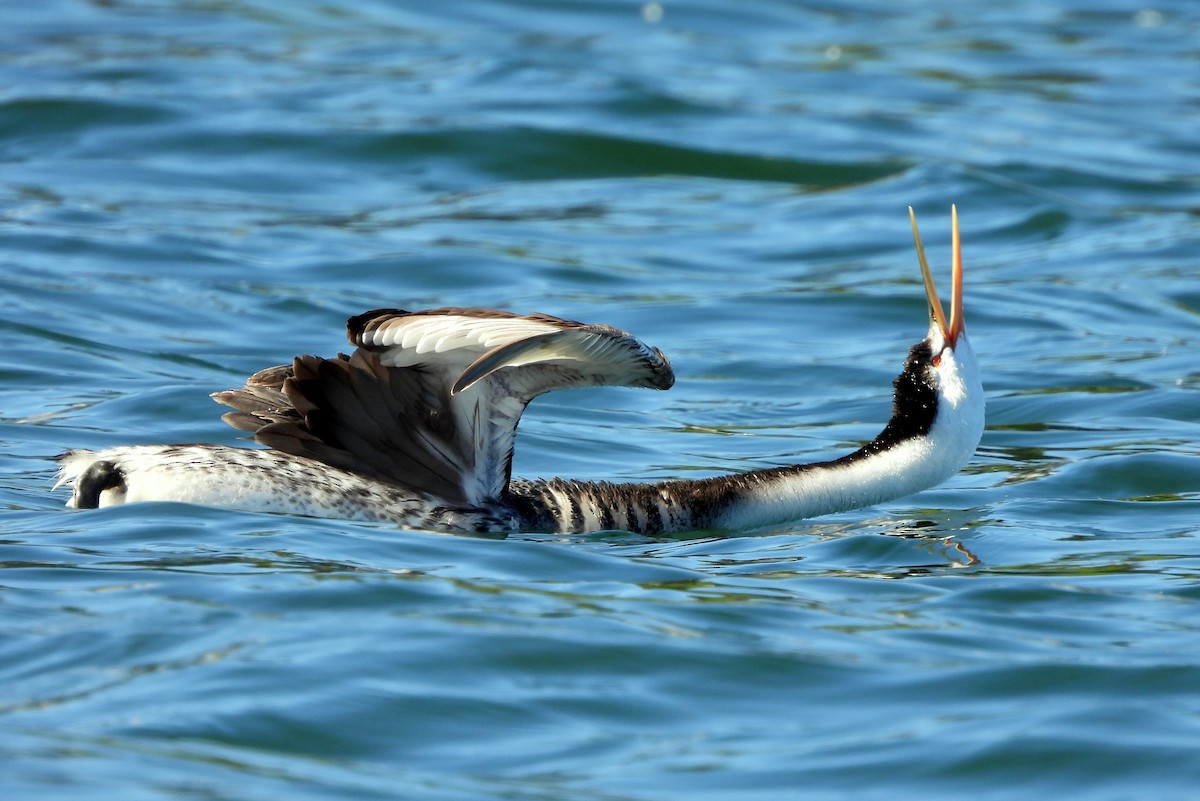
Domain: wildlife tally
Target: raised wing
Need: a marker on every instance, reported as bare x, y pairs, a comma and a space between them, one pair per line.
431, 400
352, 412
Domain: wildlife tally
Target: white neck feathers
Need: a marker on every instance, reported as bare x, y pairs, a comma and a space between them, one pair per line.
873, 476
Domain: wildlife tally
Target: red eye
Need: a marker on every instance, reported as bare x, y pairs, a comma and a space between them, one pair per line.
937, 360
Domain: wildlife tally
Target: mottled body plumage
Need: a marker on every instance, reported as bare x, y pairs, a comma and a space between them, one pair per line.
417, 426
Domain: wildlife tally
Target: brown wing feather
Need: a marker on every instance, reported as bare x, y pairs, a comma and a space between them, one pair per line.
354, 413
260, 402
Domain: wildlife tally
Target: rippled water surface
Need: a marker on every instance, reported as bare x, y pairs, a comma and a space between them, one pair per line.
192, 191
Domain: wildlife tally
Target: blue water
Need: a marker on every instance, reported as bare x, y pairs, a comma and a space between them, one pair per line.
192, 191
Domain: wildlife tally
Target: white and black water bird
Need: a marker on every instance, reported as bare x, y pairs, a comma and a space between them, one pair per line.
417, 427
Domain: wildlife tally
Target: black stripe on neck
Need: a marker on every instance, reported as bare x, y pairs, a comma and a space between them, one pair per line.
914, 404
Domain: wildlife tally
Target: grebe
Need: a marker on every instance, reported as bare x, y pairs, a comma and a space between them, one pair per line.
417, 426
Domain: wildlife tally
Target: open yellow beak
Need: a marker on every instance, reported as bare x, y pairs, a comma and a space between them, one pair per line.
951, 330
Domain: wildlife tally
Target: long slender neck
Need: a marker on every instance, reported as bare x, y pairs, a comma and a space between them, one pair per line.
935, 427
922, 445
739, 501
866, 477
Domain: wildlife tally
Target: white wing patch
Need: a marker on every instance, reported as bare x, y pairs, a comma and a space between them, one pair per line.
450, 339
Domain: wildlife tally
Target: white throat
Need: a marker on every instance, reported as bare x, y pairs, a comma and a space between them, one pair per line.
909, 466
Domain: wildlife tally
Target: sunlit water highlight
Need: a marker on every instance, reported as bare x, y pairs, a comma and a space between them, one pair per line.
195, 191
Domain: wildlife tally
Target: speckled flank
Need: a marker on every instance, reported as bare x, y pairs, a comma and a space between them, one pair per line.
267, 481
